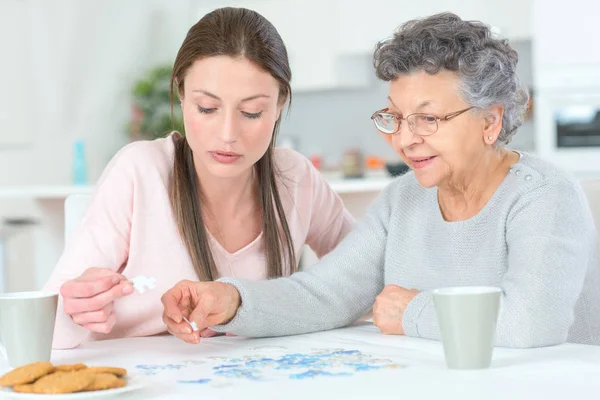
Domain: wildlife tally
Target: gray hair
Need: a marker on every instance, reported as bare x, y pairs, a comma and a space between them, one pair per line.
486, 65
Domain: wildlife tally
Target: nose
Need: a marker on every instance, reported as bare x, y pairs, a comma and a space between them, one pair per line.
230, 129
404, 138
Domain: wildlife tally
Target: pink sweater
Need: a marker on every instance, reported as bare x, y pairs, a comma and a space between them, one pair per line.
129, 227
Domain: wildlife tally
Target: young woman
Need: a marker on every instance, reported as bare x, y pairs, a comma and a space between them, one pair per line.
219, 201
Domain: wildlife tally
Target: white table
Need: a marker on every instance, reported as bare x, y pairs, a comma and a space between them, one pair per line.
561, 372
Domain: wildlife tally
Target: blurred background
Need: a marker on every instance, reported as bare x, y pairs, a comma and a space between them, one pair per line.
80, 79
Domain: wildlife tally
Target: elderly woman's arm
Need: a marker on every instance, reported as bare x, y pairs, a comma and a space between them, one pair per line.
335, 293
550, 238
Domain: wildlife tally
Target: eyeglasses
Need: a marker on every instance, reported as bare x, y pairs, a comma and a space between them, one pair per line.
418, 123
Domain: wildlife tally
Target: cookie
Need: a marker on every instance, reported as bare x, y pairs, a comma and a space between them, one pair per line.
110, 370
23, 388
70, 367
26, 374
63, 382
105, 380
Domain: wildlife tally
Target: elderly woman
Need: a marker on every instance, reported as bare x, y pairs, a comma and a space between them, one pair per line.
471, 212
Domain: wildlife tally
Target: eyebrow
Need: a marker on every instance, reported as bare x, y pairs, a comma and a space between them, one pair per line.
214, 96
392, 101
423, 104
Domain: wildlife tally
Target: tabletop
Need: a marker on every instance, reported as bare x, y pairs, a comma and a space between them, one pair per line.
357, 362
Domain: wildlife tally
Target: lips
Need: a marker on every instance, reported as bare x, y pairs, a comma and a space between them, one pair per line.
421, 161
226, 153
225, 157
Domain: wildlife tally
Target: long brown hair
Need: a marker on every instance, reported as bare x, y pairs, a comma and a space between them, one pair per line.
234, 32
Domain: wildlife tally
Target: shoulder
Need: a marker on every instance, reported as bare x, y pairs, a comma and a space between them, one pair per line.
294, 171
543, 190
537, 178
144, 154
290, 163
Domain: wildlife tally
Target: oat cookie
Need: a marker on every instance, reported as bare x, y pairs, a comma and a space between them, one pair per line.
23, 388
26, 374
63, 382
111, 370
70, 367
105, 380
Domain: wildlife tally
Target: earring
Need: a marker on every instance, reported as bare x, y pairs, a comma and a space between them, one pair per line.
490, 138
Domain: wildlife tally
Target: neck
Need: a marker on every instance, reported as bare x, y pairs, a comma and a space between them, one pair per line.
227, 196
463, 196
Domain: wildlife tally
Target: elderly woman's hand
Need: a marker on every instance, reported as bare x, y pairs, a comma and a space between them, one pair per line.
389, 308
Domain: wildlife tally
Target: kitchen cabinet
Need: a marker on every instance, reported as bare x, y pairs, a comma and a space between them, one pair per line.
330, 42
564, 44
308, 30
366, 23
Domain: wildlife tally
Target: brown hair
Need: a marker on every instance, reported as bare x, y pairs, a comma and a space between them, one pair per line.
234, 32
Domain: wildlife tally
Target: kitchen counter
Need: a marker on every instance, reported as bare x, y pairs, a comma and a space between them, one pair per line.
368, 184
50, 192
49, 201
42, 192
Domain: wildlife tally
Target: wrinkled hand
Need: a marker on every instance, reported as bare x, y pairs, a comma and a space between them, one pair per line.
389, 307
206, 303
89, 299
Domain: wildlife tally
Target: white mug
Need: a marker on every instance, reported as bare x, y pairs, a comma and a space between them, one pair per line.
27, 326
467, 318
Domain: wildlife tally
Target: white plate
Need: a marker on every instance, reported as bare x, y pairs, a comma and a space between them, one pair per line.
133, 383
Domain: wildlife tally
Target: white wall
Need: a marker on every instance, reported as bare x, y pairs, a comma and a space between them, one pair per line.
75, 62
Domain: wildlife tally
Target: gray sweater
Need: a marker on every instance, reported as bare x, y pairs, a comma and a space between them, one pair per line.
535, 239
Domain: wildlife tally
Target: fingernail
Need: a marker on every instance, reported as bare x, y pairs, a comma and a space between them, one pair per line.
127, 289
188, 329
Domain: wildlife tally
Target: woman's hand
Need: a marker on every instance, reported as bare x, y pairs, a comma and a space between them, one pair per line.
389, 307
89, 299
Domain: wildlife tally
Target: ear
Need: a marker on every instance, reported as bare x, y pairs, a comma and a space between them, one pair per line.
179, 92
492, 123
279, 110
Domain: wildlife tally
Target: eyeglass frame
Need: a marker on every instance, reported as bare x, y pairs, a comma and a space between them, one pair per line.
447, 117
